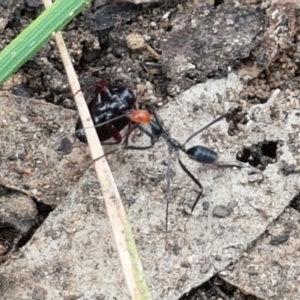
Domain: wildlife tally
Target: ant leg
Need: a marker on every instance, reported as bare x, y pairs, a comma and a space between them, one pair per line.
125, 147
131, 126
114, 133
109, 143
168, 200
138, 148
158, 120
153, 141
152, 137
147, 132
197, 182
105, 154
84, 89
225, 164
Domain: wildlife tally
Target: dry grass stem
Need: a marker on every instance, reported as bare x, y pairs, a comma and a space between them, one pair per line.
115, 210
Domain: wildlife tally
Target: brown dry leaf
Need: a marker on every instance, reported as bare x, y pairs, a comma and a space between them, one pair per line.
30, 152
209, 41
77, 238
271, 270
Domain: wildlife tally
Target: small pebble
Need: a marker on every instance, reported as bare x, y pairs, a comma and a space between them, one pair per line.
185, 264
277, 240
34, 192
223, 273
65, 146
205, 268
232, 204
244, 180
23, 119
3, 250
221, 211
218, 258
205, 205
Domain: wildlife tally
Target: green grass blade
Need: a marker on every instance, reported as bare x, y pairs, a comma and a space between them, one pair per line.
31, 40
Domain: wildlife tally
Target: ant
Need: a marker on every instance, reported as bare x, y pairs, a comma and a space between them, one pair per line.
200, 154
108, 104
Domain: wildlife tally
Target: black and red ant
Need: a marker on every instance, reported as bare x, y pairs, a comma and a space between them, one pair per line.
108, 105
199, 153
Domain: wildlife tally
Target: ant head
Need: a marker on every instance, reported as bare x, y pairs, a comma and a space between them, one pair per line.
101, 86
140, 116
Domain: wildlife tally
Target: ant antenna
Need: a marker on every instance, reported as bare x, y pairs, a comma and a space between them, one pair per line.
205, 127
168, 199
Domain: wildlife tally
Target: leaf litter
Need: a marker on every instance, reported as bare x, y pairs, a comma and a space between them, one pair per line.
247, 204
210, 243
35, 153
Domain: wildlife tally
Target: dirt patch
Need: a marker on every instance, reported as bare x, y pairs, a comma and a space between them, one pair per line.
42, 163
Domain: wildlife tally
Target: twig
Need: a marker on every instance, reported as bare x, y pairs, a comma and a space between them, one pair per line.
121, 228
15, 188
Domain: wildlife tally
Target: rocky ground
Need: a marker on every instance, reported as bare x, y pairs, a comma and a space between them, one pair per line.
192, 43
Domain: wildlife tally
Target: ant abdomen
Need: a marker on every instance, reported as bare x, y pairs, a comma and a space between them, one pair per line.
108, 102
202, 154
